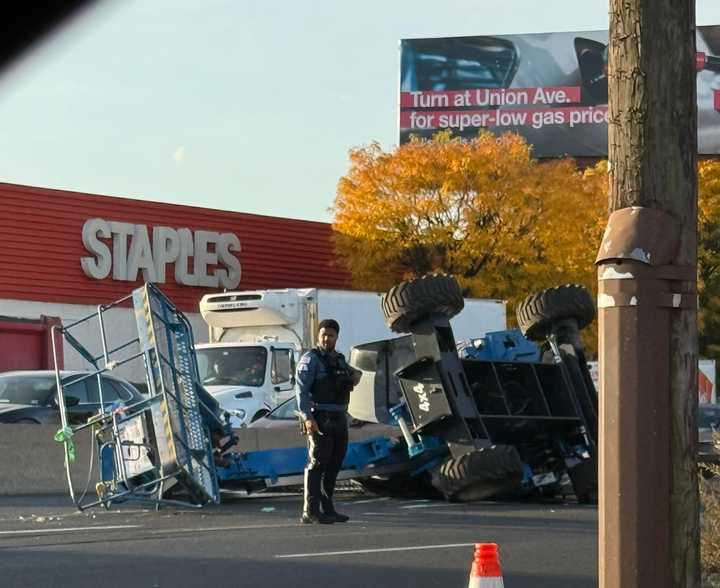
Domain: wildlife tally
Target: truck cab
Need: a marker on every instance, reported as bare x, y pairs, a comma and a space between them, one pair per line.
247, 379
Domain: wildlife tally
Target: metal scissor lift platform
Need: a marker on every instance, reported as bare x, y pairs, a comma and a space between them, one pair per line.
161, 445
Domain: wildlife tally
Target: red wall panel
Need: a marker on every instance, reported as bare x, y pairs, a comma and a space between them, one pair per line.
22, 348
41, 247
27, 344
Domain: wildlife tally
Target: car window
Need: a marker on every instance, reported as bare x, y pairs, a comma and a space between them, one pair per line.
118, 389
111, 389
76, 390
285, 411
32, 390
109, 392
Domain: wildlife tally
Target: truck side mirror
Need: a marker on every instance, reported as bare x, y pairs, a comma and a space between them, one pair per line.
282, 386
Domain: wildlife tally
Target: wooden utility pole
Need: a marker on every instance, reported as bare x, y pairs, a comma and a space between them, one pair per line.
647, 302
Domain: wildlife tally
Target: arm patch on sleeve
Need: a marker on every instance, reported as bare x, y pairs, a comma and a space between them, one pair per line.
304, 363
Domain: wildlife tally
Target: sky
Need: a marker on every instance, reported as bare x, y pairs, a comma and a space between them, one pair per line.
242, 105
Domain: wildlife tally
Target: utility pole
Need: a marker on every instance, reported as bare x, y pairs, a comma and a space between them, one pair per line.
647, 302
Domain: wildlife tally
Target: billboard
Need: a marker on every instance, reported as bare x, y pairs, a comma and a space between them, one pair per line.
550, 88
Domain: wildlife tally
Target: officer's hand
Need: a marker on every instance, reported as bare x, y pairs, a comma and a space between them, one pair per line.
356, 375
310, 426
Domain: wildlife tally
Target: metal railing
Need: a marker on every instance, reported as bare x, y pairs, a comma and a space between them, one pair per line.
161, 445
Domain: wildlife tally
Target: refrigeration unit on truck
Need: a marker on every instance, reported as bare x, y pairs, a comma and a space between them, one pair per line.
256, 337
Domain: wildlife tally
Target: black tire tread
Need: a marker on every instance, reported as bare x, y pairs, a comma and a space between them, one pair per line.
537, 312
412, 300
479, 474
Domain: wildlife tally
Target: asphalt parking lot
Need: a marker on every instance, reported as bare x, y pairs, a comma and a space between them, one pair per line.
258, 541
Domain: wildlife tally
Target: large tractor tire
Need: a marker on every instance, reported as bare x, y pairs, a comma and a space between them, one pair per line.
413, 300
537, 313
481, 474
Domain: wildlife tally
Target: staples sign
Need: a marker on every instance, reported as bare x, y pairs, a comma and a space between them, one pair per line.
200, 258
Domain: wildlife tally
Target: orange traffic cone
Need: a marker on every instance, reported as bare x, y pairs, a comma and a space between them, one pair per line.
485, 572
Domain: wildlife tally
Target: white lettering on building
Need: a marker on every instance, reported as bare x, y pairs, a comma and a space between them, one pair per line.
131, 251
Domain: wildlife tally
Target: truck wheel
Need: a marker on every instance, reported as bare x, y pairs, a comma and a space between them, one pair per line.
537, 313
412, 300
480, 474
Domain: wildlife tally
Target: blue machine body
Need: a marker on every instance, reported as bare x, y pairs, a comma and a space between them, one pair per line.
363, 458
508, 345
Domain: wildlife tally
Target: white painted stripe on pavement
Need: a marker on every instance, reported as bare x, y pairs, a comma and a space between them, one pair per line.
366, 501
463, 513
230, 528
429, 505
382, 514
242, 527
385, 549
68, 529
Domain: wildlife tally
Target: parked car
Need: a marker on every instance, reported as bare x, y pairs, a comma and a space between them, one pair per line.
31, 396
283, 416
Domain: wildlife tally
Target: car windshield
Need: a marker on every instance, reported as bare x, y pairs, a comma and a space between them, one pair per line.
285, 411
232, 366
708, 417
32, 390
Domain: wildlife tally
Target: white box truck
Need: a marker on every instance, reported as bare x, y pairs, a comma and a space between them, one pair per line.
256, 338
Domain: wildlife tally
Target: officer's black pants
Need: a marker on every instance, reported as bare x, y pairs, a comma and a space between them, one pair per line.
326, 451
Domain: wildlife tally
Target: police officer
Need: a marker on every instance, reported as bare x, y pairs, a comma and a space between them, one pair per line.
324, 382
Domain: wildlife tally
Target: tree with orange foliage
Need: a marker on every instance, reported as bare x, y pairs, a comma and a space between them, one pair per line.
483, 210
709, 257
500, 221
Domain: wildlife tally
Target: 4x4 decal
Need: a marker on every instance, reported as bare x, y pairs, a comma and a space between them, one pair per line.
424, 403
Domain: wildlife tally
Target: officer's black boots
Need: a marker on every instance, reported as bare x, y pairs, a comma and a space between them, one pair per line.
311, 509
330, 512
316, 518
336, 516
312, 515
328, 489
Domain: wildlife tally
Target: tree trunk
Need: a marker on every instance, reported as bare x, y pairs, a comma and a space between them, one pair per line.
649, 529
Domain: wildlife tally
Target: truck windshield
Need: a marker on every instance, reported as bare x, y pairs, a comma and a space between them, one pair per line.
232, 366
